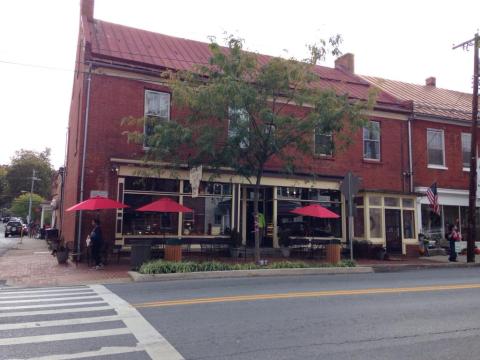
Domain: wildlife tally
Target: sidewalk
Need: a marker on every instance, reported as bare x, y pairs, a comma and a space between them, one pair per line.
30, 264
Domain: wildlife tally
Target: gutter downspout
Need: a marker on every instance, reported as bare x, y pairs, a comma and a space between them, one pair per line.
410, 155
82, 176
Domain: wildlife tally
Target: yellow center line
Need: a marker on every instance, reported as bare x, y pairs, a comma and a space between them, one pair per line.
306, 294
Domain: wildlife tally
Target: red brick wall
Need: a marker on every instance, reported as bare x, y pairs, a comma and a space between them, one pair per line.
114, 98
454, 177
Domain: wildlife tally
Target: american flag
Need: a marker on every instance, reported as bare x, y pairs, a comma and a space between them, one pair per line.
432, 196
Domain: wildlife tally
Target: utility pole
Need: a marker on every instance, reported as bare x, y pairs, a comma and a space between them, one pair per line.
472, 194
29, 217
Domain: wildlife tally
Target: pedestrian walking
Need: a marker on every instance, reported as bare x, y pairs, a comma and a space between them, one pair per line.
96, 243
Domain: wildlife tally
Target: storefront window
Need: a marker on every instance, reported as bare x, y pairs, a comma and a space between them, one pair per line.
375, 220
151, 184
375, 200
211, 215
431, 223
392, 201
208, 188
407, 203
408, 224
147, 223
306, 225
358, 224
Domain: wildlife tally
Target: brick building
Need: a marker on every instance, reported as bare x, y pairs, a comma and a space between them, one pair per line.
441, 138
118, 75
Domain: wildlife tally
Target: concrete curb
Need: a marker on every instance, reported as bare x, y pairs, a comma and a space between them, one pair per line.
136, 276
405, 267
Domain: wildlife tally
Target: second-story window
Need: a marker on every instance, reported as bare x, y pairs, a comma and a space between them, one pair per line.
466, 144
238, 126
157, 110
371, 141
323, 143
435, 148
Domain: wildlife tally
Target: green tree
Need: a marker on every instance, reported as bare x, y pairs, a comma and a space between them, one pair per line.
19, 175
21, 203
3, 188
240, 113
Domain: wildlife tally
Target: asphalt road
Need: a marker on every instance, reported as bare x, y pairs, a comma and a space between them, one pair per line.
6, 243
427, 314
320, 317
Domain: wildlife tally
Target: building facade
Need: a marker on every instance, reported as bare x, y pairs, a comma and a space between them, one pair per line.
441, 140
119, 75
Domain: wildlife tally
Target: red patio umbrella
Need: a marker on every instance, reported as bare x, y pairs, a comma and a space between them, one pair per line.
165, 205
315, 210
97, 203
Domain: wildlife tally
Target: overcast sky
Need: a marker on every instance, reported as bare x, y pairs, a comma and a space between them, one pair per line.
401, 40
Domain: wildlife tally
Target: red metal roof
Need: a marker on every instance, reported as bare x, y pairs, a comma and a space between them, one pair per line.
126, 44
428, 100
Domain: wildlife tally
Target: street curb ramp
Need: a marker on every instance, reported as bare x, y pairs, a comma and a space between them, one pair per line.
136, 276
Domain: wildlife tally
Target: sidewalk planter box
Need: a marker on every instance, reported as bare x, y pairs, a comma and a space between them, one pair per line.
141, 252
333, 250
173, 250
412, 250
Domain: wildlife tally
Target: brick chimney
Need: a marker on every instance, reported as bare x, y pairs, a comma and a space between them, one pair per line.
346, 62
431, 81
86, 9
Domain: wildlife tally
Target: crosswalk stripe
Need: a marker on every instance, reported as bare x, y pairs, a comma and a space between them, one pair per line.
156, 346
56, 311
40, 290
92, 295
63, 337
3, 308
75, 321
12, 296
105, 351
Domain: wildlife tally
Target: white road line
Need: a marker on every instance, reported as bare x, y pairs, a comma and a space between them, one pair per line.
76, 321
3, 308
79, 292
56, 311
114, 350
155, 344
92, 295
63, 337
40, 290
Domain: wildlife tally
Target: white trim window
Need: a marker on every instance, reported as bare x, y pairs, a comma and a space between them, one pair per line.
466, 144
371, 141
323, 143
436, 148
238, 126
157, 110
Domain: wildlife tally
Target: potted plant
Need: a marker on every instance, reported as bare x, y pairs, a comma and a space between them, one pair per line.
235, 243
284, 242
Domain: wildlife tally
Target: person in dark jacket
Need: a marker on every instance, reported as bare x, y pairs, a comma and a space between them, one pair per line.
452, 236
96, 242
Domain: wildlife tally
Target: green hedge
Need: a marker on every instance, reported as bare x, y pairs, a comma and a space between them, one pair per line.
170, 267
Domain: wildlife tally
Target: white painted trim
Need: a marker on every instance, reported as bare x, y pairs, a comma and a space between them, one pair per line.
16, 300
437, 167
104, 351
13, 296
434, 166
55, 311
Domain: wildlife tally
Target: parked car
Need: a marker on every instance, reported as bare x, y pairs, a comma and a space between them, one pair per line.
15, 228
6, 219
